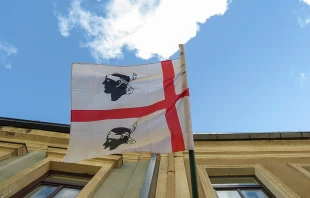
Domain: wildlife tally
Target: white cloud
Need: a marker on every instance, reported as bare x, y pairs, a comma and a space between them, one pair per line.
303, 22
302, 75
306, 1
151, 27
304, 18
303, 78
6, 50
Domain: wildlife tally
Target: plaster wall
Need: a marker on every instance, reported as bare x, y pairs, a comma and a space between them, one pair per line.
275, 156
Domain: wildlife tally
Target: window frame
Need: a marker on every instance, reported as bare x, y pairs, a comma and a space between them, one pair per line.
99, 167
60, 185
276, 186
241, 187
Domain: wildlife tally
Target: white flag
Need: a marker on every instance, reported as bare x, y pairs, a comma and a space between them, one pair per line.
116, 109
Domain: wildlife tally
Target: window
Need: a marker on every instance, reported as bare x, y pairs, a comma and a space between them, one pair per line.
239, 187
55, 184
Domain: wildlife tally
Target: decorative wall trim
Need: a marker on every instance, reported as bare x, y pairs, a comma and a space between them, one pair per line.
162, 180
9, 149
206, 183
27, 176
60, 153
300, 168
170, 176
278, 188
249, 156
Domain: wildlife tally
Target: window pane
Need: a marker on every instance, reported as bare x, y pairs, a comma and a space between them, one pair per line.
41, 191
228, 194
68, 178
254, 194
68, 193
233, 181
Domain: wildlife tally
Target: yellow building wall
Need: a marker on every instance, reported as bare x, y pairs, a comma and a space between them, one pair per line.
282, 159
282, 165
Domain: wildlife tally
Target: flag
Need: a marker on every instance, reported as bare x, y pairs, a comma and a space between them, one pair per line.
117, 109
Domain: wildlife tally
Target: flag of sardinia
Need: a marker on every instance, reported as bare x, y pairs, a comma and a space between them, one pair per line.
116, 109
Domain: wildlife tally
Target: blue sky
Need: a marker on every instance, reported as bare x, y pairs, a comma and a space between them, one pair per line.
248, 65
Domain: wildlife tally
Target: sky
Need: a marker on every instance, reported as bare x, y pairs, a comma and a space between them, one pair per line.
248, 61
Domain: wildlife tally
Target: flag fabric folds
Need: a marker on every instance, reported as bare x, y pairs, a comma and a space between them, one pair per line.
116, 109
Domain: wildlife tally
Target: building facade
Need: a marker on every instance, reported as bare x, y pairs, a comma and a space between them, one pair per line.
228, 165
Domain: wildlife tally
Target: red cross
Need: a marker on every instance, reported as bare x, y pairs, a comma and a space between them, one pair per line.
168, 103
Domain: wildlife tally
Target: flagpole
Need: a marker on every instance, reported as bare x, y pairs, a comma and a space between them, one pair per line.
191, 153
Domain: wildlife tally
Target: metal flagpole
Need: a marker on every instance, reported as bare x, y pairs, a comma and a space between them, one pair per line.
192, 161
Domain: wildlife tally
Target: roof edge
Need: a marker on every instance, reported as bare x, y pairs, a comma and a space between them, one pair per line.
65, 128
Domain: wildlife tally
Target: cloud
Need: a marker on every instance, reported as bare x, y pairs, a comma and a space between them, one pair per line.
306, 1
303, 77
304, 21
6, 50
304, 18
149, 27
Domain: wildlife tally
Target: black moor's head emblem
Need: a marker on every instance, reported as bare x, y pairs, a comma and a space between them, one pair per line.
118, 136
118, 85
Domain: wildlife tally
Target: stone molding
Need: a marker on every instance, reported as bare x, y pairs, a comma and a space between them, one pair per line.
27, 176
9, 149
278, 188
300, 168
